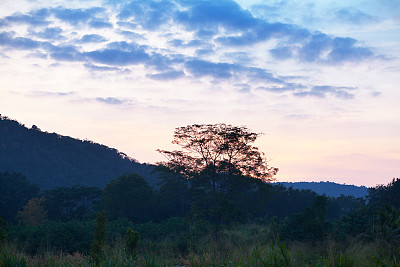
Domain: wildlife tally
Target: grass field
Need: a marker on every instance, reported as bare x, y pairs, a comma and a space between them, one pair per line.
242, 245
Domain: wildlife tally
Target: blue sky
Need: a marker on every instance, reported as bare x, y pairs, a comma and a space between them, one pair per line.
320, 79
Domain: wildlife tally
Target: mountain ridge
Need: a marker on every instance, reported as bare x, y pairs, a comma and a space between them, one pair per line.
52, 160
329, 188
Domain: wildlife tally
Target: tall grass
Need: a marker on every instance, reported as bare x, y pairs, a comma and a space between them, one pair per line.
241, 245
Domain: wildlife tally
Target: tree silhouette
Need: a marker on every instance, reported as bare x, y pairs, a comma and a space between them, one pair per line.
222, 166
215, 150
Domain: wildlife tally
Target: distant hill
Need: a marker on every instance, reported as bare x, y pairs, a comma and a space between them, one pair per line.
51, 160
329, 188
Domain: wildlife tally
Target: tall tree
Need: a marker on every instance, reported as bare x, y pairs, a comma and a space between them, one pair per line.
221, 163
216, 150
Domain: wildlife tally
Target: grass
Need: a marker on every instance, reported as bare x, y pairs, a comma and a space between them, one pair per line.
242, 245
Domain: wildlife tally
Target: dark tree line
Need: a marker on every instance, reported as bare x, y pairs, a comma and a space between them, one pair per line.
129, 200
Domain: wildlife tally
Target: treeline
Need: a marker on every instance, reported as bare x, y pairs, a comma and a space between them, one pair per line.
63, 218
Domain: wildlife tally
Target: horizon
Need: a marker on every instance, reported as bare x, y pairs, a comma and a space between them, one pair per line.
320, 80
281, 180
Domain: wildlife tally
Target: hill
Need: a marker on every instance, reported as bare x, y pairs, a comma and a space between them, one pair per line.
329, 188
51, 160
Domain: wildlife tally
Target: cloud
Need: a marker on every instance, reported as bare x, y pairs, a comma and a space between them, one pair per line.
203, 52
64, 53
92, 38
209, 15
323, 48
51, 94
37, 18
165, 76
212, 33
283, 87
132, 35
200, 68
225, 21
22, 43
283, 52
99, 24
51, 33
119, 54
376, 94
100, 68
344, 49
149, 14
111, 100
300, 90
323, 91
76, 16
354, 16
115, 57
178, 43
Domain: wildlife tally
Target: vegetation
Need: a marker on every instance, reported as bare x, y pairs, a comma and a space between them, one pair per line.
210, 209
98, 247
50, 160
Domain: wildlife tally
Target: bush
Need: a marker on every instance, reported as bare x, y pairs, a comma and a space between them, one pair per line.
132, 240
68, 237
99, 240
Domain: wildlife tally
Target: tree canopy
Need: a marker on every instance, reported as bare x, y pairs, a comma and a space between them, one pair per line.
217, 149
129, 196
223, 168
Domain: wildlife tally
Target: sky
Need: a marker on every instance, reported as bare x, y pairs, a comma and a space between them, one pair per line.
319, 79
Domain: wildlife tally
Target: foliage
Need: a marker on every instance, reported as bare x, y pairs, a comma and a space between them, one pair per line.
33, 213
223, 169
311, 224
129, 196
97, 249
173, 197
69, 236
15, 191
343, 205
132, 240
3, 232
386, 194
216, 149
9, 258
387, 226
358, 223
64, 204
283, 202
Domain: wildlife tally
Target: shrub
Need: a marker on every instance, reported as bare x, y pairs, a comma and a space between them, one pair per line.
99, 240
132, 240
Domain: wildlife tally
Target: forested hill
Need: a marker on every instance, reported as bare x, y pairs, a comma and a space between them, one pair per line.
329, 188
51, 160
